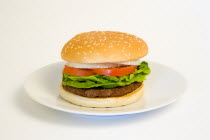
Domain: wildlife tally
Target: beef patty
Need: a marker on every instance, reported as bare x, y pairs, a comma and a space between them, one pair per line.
97, 93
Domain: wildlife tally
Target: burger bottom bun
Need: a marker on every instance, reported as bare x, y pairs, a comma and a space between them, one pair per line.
102, 102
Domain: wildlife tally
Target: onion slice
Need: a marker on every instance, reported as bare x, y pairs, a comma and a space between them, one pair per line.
102, 65
92, 65
133, 62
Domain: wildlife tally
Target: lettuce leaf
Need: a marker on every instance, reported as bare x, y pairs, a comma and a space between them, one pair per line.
103, 81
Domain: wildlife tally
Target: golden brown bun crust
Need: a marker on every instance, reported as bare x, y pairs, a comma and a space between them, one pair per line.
102, 102
104, 46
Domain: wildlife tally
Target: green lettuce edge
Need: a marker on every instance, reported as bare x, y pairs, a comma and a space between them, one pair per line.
103, 81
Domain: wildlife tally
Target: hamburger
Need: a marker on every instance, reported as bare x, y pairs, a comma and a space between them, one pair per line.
103, 69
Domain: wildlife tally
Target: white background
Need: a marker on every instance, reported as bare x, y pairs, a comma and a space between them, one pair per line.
33, 32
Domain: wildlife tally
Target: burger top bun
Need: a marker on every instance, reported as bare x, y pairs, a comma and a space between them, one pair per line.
103, 47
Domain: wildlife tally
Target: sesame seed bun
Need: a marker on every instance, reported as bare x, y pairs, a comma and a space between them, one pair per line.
102, 102
104, 46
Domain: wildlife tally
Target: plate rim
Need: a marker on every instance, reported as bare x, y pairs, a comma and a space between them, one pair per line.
74, 111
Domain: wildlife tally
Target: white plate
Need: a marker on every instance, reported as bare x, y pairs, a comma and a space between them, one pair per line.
162, 87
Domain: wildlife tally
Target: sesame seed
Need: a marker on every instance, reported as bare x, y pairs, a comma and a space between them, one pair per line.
66, 49
103, 32
127, 55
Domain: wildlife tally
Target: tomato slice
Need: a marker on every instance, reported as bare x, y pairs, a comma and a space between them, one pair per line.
116, 71
120, 71
77, 71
